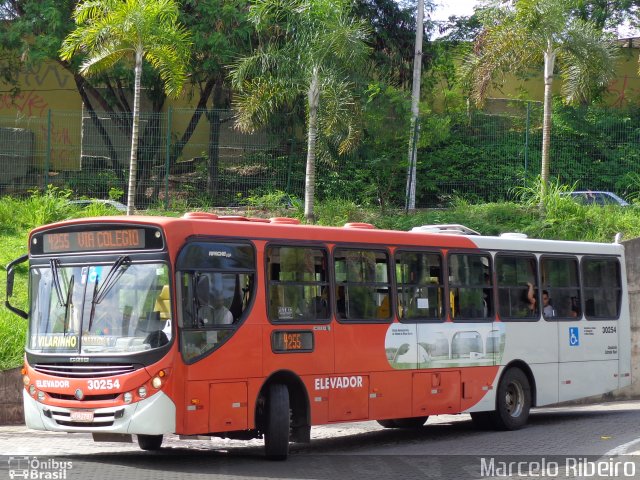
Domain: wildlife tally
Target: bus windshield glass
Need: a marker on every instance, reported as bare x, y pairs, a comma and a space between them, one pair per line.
115, 308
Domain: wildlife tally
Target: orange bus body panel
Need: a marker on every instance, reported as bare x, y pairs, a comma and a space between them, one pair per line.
219, 392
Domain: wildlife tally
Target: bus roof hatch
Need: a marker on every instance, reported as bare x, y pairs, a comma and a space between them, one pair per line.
452, 229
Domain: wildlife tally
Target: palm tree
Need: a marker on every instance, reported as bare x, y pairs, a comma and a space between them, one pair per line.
544, 33
307, 48
110, 30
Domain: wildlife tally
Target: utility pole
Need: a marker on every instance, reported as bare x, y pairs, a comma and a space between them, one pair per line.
410, 198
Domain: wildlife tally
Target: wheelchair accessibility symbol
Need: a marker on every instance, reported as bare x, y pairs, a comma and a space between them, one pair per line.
574, 336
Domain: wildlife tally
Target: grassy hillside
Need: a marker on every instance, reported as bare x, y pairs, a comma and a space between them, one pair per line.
562, 219
17, 218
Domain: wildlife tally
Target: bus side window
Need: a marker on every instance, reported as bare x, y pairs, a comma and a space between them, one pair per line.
560, 283
363, 285
515, 274
602, 288
298, 288
420, 286
470, 278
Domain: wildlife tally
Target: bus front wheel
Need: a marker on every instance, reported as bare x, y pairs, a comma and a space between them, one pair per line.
278, 423
407, 423
387, 423
149, 442
513, 401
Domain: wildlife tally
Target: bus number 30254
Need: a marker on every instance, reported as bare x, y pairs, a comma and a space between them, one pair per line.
103, 384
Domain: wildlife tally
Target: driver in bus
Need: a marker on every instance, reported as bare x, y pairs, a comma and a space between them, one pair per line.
221, 314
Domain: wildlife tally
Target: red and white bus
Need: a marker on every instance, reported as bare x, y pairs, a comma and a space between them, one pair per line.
243, 327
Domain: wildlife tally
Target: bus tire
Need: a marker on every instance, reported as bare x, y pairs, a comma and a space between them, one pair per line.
387, 423
149, 442
407, 423
412, 422
513, 401
278, 423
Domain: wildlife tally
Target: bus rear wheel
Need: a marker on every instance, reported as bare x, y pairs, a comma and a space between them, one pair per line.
278, 423
149, 442
513, 401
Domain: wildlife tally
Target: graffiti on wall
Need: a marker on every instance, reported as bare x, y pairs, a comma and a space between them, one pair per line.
30, 105
50, 75
622, 91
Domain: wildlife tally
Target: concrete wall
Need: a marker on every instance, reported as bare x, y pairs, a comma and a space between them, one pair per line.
11, 397
632, 254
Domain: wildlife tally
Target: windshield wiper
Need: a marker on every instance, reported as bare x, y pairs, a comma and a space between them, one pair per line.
112, 278
55, 263
101, 291
63, 300
68, 304
93, 303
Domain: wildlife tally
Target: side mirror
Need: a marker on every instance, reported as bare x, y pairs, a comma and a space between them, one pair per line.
10, 277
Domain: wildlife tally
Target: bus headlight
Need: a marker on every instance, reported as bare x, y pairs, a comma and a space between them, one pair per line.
41, 396
26, 380
156, 382
142, 392
127, 397
32, 389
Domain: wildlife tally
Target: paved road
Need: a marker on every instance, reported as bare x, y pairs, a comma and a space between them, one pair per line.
448, 447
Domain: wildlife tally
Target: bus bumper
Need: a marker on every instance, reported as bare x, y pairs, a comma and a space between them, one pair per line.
155, 415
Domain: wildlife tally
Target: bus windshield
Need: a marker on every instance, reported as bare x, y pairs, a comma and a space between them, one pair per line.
115, 308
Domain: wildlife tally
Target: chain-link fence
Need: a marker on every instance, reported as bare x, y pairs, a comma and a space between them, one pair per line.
200, 159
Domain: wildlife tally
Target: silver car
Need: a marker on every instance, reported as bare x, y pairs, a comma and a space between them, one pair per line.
591, 197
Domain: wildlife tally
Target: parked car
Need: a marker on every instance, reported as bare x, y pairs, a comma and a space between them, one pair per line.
111, 203
591, 197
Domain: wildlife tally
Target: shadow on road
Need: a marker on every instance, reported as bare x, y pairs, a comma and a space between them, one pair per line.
367, 454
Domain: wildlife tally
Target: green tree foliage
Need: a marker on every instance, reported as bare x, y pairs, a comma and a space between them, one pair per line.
221, 32
548, 34
606, 13
392, 39
374, 173
32, 31
109, 31
307, 48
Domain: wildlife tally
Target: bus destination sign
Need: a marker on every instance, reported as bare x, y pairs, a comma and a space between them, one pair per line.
121, 239
292, 341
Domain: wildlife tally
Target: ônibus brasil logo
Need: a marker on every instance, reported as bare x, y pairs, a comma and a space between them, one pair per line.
38, 469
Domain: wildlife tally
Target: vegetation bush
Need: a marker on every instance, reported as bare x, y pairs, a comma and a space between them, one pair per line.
483, 156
